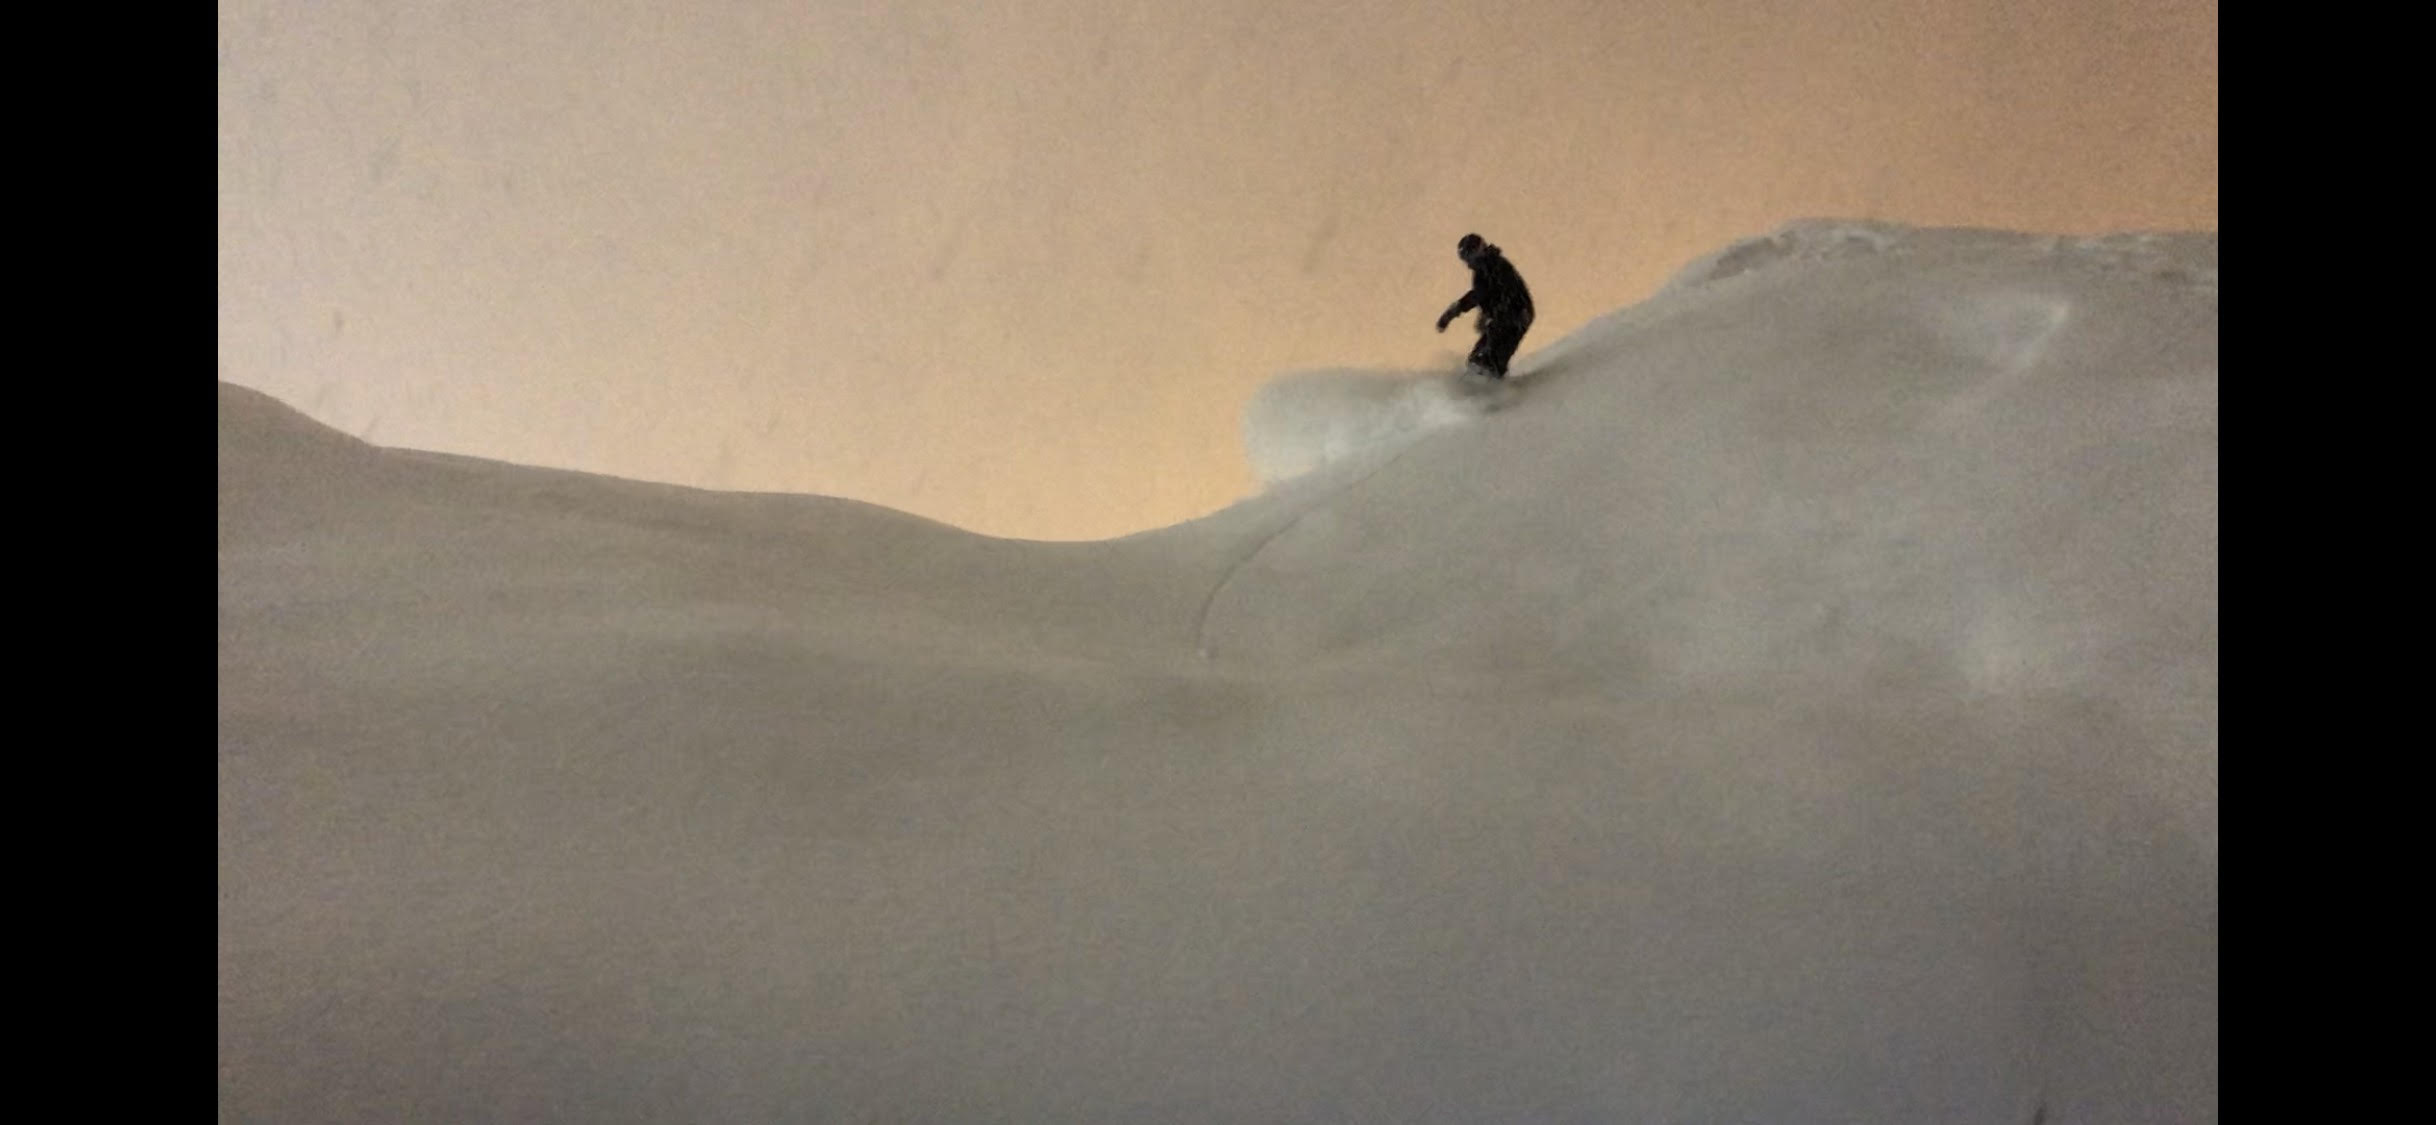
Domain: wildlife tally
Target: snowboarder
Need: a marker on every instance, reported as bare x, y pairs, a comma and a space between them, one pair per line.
1503, 301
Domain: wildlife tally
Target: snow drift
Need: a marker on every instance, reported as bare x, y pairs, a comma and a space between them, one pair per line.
1800, 705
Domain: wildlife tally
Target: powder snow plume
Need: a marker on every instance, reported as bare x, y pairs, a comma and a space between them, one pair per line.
1306, 420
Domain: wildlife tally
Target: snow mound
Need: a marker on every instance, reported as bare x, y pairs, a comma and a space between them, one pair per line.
1809, 240
251, 422
1803, 708
2180, 257
1307, 420
2184, 257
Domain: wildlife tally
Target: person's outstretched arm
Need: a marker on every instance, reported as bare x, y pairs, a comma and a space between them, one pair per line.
1463, 304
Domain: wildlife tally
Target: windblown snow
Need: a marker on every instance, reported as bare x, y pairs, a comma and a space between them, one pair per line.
1797, 704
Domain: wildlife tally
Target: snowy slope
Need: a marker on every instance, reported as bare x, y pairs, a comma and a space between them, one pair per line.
1798, 706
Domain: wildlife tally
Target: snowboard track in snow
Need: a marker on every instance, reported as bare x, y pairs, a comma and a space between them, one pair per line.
1209, 602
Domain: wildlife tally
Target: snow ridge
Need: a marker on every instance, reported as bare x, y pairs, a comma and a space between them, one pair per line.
2183, 257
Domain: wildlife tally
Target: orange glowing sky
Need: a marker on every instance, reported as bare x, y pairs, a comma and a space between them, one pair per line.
1018, 266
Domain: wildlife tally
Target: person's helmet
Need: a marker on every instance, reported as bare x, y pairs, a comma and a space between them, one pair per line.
1470, 245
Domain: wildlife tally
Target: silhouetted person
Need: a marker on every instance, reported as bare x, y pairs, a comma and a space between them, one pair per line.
1503, 301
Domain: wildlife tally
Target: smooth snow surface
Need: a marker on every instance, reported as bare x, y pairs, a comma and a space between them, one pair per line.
1799, 705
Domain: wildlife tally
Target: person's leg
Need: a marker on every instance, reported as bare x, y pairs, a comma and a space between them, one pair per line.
1497, 347
1484, 354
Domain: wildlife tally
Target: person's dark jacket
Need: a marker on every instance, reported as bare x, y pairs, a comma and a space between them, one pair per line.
1497, 291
